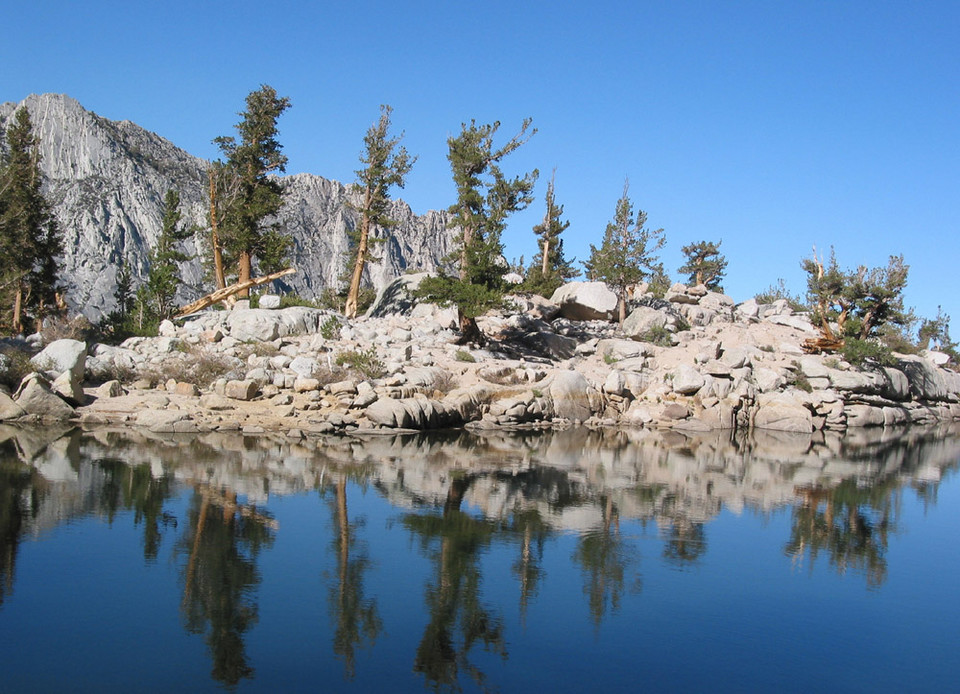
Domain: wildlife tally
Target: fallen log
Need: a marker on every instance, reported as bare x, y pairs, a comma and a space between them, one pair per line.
227, 292
822, 345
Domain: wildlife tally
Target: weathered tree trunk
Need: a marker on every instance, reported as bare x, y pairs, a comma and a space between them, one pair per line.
18, 308
470, 331
244, 268
218, 275
353, 294
545, 265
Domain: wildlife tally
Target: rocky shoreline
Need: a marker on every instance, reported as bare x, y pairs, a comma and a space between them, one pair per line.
693, 361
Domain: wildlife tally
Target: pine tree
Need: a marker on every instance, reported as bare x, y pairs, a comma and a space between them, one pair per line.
858, 302
385, 165
549, 268
164, 278
243, 226
485, 198
705, 264
628, 254
30, 239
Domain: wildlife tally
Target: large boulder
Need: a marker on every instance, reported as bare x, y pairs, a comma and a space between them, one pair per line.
572, 396
782, 413
266, 325
258, 324
687, 380
67, 386
550, 345
721, 303
397, 298
614, 349
9, 409
862, 415
431, 317
413, 413
36, 398
642, 320
533, 305
682, 294
585, 301
61, 356
928, 381
165, 421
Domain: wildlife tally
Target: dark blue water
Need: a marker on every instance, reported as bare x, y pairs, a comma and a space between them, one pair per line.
571, 561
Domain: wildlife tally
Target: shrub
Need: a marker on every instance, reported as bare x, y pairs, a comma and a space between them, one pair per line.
464, 355
288, 300
779, 291
256, 347
444, 382
62, 328
798, 379
865, 353
330, 328
14, 365
194, 366
658, 335
365, 362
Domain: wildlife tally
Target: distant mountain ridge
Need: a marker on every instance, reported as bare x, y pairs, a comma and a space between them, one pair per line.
107, 179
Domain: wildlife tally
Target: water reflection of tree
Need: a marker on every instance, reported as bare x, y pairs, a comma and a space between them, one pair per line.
357, 618
604, 557
852, 524
686, 542
134, 487
222, 541
453, 541
533, 531
20, 492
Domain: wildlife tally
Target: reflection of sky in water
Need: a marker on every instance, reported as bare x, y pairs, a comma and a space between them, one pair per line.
671, 568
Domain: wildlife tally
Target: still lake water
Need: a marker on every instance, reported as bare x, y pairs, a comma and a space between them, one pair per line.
555, 562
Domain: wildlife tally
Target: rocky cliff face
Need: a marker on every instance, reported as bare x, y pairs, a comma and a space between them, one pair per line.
107, 179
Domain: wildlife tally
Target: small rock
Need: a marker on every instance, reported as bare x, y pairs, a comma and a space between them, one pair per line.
270, 301
110, 389
241, 390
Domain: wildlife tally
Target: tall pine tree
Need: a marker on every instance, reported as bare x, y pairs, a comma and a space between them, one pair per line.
164, 278
385, 165
30, 239
549, 268
244, 227
485, 198
628, 254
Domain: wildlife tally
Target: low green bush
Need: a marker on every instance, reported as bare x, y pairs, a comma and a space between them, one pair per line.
365, 362
464, 355
865, 353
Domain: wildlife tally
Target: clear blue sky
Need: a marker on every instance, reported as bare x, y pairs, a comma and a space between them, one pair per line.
774, 126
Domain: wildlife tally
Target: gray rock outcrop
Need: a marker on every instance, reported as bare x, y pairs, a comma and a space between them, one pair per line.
107, 180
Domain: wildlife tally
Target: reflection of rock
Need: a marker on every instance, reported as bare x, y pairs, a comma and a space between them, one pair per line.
648, 474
